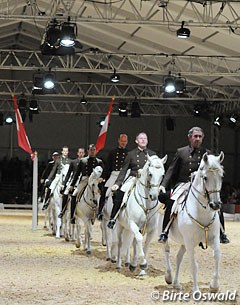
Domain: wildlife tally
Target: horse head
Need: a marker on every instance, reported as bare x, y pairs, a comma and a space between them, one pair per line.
93, 182
211, 173
155, 173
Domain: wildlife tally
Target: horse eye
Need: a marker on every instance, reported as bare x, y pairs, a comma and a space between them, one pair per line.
205, 178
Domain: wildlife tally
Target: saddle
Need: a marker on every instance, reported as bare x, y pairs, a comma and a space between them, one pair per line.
179, 195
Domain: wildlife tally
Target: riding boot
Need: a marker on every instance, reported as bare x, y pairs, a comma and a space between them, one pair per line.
116, 207
223, 236
101, 203
73, 207
64, 205
166, 220
46, 200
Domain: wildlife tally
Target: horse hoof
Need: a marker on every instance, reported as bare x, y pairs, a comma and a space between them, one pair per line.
108, 259
144, 266
77, 246
127, 264
213, 290
113, 261
142, 273
88, 252
103, 244
132, 268
177, 286
168, 278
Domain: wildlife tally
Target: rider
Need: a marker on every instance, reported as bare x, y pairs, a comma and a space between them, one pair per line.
46, 173
53, 177
70, 174
84, 170
114, 164
185, 162
134, 161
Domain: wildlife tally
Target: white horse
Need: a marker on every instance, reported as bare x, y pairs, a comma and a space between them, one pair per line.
55, 201
141, 213
86, 208
197, 221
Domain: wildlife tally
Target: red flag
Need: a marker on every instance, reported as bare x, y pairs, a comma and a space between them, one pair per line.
103, 132
21, 133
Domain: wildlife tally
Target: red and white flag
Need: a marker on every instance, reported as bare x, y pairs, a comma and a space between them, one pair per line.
21, 133
103, 132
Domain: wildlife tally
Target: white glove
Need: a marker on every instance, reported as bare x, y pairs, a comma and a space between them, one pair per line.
162, 189
115, 187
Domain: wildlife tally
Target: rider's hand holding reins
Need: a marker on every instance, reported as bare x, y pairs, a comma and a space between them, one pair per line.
115, 187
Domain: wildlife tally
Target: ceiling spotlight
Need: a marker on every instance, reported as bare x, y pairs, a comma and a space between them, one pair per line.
33, 106
83, 100
68, 34
233, 119
169, 84
115, 78
8, 119
197, 110
49, 81
183, 32
218, 121
123, 109
52, 34
180, 85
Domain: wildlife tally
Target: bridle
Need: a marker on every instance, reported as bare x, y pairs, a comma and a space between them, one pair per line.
207, 192
205, 195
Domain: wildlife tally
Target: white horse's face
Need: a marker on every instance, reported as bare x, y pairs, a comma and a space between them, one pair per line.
155, 174
93, 182
212, 174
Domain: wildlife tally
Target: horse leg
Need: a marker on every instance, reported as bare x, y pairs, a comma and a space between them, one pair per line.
168, 268
114, 243
193, 268
179, 258
88, 235
104, 236
58, 221
78, 227
119, 256
139, 241
214, 284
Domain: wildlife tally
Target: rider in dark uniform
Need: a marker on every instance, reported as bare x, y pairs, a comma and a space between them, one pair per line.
134, 161
70, 174
51, 181
84, 170
46, 173
186, 161
113, 166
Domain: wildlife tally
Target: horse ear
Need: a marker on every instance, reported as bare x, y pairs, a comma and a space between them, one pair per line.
221, 157
164, 159
205, 157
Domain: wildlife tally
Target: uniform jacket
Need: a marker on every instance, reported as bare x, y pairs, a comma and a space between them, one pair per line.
134, 161
185, 162
115, 161
47, 170
72, 170
85, 167
58, 166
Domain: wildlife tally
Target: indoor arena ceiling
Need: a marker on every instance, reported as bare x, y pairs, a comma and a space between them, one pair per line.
137, 38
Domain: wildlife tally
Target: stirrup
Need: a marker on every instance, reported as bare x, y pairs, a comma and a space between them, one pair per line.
60, 215
163, 238
111, 223
45, 206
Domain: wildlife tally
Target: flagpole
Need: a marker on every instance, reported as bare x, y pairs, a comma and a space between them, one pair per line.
35, 193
